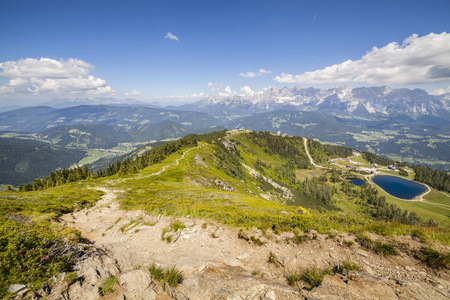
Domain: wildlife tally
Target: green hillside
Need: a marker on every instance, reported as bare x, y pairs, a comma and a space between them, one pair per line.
242, 179
23, 161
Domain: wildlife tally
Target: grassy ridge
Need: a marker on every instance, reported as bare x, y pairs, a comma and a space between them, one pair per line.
182, 190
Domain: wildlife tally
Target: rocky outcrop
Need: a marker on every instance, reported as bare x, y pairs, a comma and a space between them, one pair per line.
221, 281
366, 286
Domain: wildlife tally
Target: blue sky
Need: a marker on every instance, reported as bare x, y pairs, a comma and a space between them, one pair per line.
119, 46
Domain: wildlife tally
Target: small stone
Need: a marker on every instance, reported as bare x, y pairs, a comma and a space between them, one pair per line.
135, 282
243, 256
15, 288
270, 295
218, 232
363, 253
62, 275
177, 235
163, 297
408, 268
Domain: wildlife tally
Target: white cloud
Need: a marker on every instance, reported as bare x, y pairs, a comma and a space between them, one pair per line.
190, 96
171, 36
133, 93
249, 74
255, 74
227, 91
440, 91
50, 76
247, 91
214, 86
263, 71
417, 60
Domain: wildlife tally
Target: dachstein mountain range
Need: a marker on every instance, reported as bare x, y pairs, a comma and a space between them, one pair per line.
339, 101
401, 124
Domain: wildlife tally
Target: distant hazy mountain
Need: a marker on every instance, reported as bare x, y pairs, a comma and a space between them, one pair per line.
86, 136
38, 119
158, 131
344, 100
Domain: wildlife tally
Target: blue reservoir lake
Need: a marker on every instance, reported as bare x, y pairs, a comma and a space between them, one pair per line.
399, 187
357, 181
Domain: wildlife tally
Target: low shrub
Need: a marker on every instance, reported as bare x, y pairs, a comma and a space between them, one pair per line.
30, 253
434, 258
376, 246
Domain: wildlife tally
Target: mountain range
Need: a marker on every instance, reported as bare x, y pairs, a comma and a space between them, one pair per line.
343, 100
401, 124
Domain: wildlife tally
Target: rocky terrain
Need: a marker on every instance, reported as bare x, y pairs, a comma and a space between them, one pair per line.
217, 264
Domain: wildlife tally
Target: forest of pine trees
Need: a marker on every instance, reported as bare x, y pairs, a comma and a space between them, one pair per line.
123, 167
322, 152
439, 180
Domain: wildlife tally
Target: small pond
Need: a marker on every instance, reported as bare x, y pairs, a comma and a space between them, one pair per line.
357, 181
399, 187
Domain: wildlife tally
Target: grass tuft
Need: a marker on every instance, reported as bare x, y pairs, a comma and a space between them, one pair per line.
292, 278
272, 258
173, 276
156, 271
314, 276
107, 286
350, 265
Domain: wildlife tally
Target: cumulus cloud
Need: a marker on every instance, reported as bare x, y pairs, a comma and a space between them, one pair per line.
50, 76
133, 93
227, 92
214, 86
255, 74
441, 91
263, 71
246, 91
249, 74
171, 36
189, 96
417, 60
